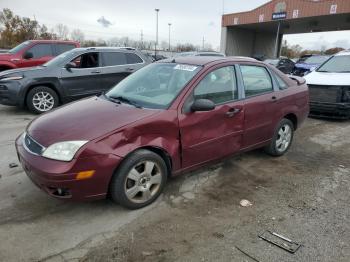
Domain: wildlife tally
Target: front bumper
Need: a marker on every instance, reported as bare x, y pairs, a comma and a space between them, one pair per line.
58, 179
330, 110
10, 93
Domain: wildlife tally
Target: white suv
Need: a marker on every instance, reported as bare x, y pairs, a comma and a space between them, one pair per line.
329, 87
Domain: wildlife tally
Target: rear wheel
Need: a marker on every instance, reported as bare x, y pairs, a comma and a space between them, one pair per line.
139, 180
282, 138
42, 99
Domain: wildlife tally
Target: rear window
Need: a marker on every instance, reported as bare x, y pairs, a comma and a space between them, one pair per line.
114, 58
61, 48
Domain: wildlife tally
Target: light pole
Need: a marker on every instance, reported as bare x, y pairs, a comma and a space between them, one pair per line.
155, 46
169, 37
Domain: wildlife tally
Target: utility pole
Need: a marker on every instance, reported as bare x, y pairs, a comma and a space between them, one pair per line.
141, 39
169, 37
223, 7
203, 44
155, 46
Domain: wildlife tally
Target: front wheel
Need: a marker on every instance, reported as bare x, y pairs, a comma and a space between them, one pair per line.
41, 99
139, 180
282, 138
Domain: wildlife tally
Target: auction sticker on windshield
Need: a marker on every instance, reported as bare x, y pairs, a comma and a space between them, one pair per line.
186, 67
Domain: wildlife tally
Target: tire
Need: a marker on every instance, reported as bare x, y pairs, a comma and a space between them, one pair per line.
41, 99
282, 139
144, 187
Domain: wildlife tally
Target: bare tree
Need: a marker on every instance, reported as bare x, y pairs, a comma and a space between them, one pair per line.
77, 35
62, 31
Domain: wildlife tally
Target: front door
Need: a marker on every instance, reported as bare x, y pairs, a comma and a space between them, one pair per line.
85, 79
41, 53
211, 135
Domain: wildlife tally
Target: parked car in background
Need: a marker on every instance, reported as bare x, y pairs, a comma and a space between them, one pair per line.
284, 64
34, 53
329, 87
169, 117
72, 75
158, 57
308, 63
201, 53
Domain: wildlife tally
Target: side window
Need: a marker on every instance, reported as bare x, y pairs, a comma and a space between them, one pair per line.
113, 58
88, 60
280, 82
61, 48
133, 58
256, 80
218, 86
41, 50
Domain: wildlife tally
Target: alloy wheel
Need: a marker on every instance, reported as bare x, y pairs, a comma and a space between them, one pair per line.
284, 138
43, 101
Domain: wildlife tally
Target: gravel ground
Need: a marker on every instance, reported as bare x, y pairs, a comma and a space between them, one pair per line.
303, 195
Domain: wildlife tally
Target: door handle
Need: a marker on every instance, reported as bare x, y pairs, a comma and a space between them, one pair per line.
130, 69
95, 72
233, 111
274, 99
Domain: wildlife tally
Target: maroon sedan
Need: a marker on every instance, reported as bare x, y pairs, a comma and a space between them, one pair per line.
167, 118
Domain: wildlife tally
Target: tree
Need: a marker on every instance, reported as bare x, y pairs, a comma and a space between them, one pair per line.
77, 35
62, 31
333, 51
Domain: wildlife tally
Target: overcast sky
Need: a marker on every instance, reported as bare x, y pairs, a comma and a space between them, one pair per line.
192, 19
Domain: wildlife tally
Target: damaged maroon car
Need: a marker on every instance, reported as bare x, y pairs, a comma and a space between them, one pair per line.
168, 118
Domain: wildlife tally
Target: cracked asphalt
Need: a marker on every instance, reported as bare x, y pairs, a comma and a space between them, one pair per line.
303, 195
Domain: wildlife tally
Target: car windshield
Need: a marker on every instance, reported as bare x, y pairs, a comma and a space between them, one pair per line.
316, 59
59, 59
337, 64
19, 47
272, 61
154, 86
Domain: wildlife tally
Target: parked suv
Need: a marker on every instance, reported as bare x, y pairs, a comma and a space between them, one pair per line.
72, 75
329, 88
170, 117
34, 53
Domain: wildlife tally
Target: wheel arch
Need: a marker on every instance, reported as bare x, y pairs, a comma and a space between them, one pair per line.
293, 118
46, 84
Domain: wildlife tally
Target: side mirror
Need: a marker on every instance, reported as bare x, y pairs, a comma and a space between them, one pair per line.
28, 55
69, 66
202, 105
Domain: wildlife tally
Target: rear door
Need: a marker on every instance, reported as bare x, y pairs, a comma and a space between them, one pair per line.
259, 104
41, 54
85, 79
211, 135
118, 65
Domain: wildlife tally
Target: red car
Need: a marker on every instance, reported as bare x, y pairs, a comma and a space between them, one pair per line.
34, 53
165, 119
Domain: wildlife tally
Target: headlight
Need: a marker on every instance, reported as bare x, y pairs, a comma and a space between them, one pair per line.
63, 151
11, 78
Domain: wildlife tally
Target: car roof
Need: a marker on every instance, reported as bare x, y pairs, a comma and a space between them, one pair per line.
343, 53
54, 41
106, 48
204, 60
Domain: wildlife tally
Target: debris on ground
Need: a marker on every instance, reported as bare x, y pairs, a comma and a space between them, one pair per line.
12, 165
245, 253
280, 241
245, 203
146, 253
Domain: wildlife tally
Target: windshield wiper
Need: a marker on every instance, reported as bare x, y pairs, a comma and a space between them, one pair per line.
125, 100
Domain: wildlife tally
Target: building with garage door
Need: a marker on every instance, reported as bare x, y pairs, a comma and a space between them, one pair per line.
259, 32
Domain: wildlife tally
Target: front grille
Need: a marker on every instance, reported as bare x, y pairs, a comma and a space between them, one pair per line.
325, 94
32, 146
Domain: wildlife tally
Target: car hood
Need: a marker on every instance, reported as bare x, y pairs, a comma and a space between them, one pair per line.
333, 79
86, 119
21, 71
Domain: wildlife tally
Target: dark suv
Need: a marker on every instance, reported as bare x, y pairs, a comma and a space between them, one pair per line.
34, 53
72, 75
